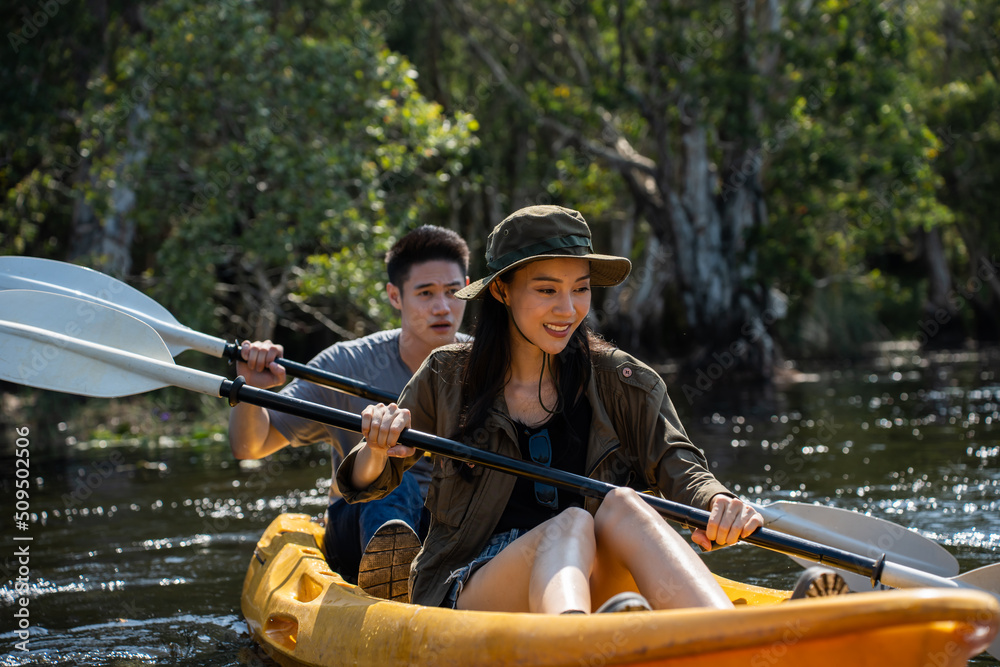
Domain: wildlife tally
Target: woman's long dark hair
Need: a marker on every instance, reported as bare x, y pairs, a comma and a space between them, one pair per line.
489, 359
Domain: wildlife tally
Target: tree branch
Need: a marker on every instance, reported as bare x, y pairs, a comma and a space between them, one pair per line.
622, 157
321, 318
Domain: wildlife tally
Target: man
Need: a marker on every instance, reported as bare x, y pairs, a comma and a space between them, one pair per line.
425, 268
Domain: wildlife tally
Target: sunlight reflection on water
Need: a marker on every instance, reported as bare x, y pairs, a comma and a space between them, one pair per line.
146, 566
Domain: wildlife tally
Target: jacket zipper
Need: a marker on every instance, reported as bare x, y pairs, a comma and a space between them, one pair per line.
604, 455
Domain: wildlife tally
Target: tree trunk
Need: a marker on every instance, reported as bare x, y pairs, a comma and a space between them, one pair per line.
106, 244
941, 325
728, 313
727, 319
627, 309
982, 287
699, 224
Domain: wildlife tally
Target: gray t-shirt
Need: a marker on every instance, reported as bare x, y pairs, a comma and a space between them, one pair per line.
373, 360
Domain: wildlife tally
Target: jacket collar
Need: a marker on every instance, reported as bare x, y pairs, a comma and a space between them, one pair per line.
602, 440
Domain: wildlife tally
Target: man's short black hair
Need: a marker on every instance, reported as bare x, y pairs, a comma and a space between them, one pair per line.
425, 244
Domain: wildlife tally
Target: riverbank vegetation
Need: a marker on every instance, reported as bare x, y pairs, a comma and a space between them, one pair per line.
790, 179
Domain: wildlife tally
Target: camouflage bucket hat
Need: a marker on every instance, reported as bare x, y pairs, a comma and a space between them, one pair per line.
543, 232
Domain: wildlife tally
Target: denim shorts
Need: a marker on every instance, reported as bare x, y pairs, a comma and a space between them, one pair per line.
461, 576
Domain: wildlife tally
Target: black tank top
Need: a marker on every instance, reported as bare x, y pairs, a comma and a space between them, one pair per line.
567, 432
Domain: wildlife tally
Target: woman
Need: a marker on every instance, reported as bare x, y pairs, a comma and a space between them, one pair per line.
536, 384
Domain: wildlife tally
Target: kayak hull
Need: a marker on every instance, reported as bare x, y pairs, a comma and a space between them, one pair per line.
302, 613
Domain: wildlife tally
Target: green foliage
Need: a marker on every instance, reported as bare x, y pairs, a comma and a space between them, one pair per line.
838, 131
960, 67
279, 156
851, 171
50, 51
840, 315
275, 151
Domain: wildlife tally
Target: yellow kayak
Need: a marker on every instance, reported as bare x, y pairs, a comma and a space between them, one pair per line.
302, 613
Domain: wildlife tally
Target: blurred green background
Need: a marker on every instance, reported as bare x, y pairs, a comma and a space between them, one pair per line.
791, 180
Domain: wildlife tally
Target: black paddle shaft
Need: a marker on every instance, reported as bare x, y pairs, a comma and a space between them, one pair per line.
319, 376
690, 517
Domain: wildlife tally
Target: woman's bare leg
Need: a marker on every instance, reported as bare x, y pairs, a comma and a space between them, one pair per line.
634, 541
546, 570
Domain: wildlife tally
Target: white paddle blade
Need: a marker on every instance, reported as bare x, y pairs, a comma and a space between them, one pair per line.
860, 534
74, 346
986, 577
45, 275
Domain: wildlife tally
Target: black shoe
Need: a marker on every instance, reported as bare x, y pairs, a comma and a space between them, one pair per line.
384, 571
627, 601
818, 582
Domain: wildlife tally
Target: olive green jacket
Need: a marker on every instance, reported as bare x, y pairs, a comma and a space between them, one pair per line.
635, 440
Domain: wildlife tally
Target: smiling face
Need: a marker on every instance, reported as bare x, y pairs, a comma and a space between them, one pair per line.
427, 306
548, 299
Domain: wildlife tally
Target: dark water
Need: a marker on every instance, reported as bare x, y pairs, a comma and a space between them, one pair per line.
138, 550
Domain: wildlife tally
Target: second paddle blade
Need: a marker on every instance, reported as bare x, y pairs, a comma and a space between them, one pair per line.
35, 333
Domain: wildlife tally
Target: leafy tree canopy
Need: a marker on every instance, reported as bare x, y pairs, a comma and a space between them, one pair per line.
272, 150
